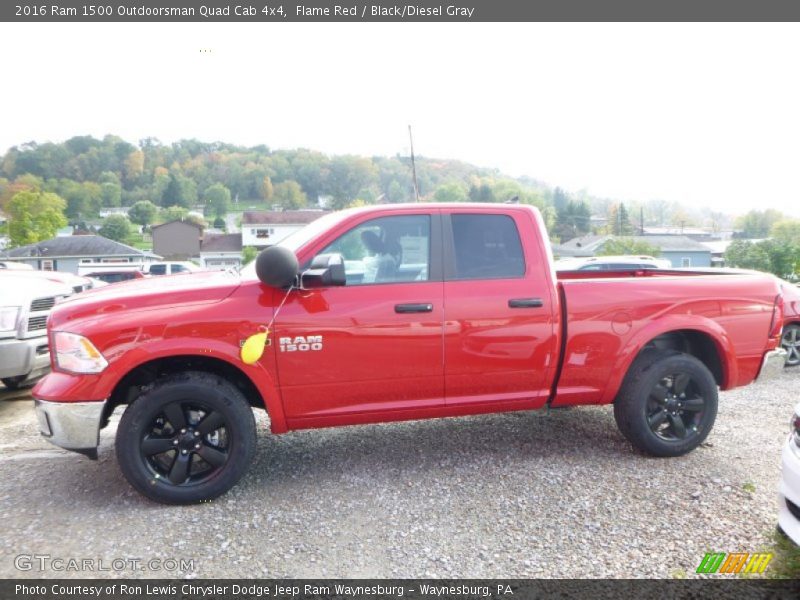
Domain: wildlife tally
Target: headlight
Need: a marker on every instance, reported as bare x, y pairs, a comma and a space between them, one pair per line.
77, 354
8, 318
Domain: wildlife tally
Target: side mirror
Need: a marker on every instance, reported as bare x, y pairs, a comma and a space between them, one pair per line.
277, 267
326, 270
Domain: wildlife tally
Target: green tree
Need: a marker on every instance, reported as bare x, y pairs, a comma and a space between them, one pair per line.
481, 192
451, 192
572, 220
783, 258
618, 221
348, 176
218, 200
757, 224
786, 231
249, 254
172, 213
289, 195
747, 255
180, 191
116, 227
627, 245
111, 194
34, 216
143, 213
178, 213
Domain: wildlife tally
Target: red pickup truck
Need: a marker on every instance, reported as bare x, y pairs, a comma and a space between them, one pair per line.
391, 313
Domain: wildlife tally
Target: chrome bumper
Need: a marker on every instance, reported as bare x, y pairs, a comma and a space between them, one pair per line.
772, 365
71, 425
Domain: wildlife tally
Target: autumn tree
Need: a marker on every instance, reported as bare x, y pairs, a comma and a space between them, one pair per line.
289, 195
266, 190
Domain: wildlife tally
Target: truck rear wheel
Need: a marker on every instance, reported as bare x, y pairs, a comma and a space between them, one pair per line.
189, 438
667, 404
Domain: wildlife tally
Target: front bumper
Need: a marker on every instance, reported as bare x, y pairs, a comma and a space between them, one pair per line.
789, 491
71, 425
24, 357
772, 365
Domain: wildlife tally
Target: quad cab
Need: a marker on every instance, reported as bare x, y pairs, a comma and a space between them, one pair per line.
392, 313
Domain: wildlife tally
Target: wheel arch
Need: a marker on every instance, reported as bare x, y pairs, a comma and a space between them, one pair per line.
144, 373
704, 339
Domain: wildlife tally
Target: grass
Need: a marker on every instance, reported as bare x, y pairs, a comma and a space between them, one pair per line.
137, 242
786, 562
749, 487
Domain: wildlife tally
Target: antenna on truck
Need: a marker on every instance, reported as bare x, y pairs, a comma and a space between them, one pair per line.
413, 166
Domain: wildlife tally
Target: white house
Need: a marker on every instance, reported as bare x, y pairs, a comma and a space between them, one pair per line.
267, 228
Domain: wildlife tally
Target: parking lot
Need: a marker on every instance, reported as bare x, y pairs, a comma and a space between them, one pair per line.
515, 495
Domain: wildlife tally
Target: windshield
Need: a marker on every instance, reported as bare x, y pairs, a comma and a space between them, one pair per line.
298, 239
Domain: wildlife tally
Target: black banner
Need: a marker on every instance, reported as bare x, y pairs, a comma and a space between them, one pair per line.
419, 11
434, 589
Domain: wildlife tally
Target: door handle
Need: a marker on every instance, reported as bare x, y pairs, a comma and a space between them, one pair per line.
525, 303
420, 307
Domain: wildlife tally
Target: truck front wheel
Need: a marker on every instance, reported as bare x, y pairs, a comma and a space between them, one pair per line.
667, 403
188, 438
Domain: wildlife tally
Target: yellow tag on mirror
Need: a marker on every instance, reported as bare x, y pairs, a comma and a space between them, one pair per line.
253, 347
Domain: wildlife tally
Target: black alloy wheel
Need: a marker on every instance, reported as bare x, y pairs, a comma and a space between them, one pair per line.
667, 403
187, 438
675, 407
187, 443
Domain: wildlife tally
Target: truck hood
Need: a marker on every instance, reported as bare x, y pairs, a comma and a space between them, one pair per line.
143, 294
21, 289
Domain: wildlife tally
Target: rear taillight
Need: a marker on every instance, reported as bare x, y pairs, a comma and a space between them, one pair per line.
776, 326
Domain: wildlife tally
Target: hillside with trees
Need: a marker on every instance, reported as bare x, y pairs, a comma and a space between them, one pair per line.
45, 186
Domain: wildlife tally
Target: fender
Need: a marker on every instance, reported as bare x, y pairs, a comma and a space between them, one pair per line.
669, 324
65, 387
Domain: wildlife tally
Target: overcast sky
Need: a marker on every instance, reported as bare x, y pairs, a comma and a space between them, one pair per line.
703, 114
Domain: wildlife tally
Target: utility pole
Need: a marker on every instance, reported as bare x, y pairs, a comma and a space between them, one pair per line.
413, 166
641, 220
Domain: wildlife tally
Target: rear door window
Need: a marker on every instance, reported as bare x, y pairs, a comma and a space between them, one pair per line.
486, 247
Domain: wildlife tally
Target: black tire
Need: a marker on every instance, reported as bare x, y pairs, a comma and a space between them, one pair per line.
667, 404
790, 341
14, 383
189, 438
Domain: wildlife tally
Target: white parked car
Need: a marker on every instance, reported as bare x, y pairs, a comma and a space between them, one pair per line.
170, 268
612, 263
25, 304
789, 509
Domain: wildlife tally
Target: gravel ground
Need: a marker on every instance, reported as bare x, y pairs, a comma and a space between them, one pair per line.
515, 495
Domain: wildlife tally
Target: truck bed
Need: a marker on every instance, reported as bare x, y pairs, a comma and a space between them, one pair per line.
609, 315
